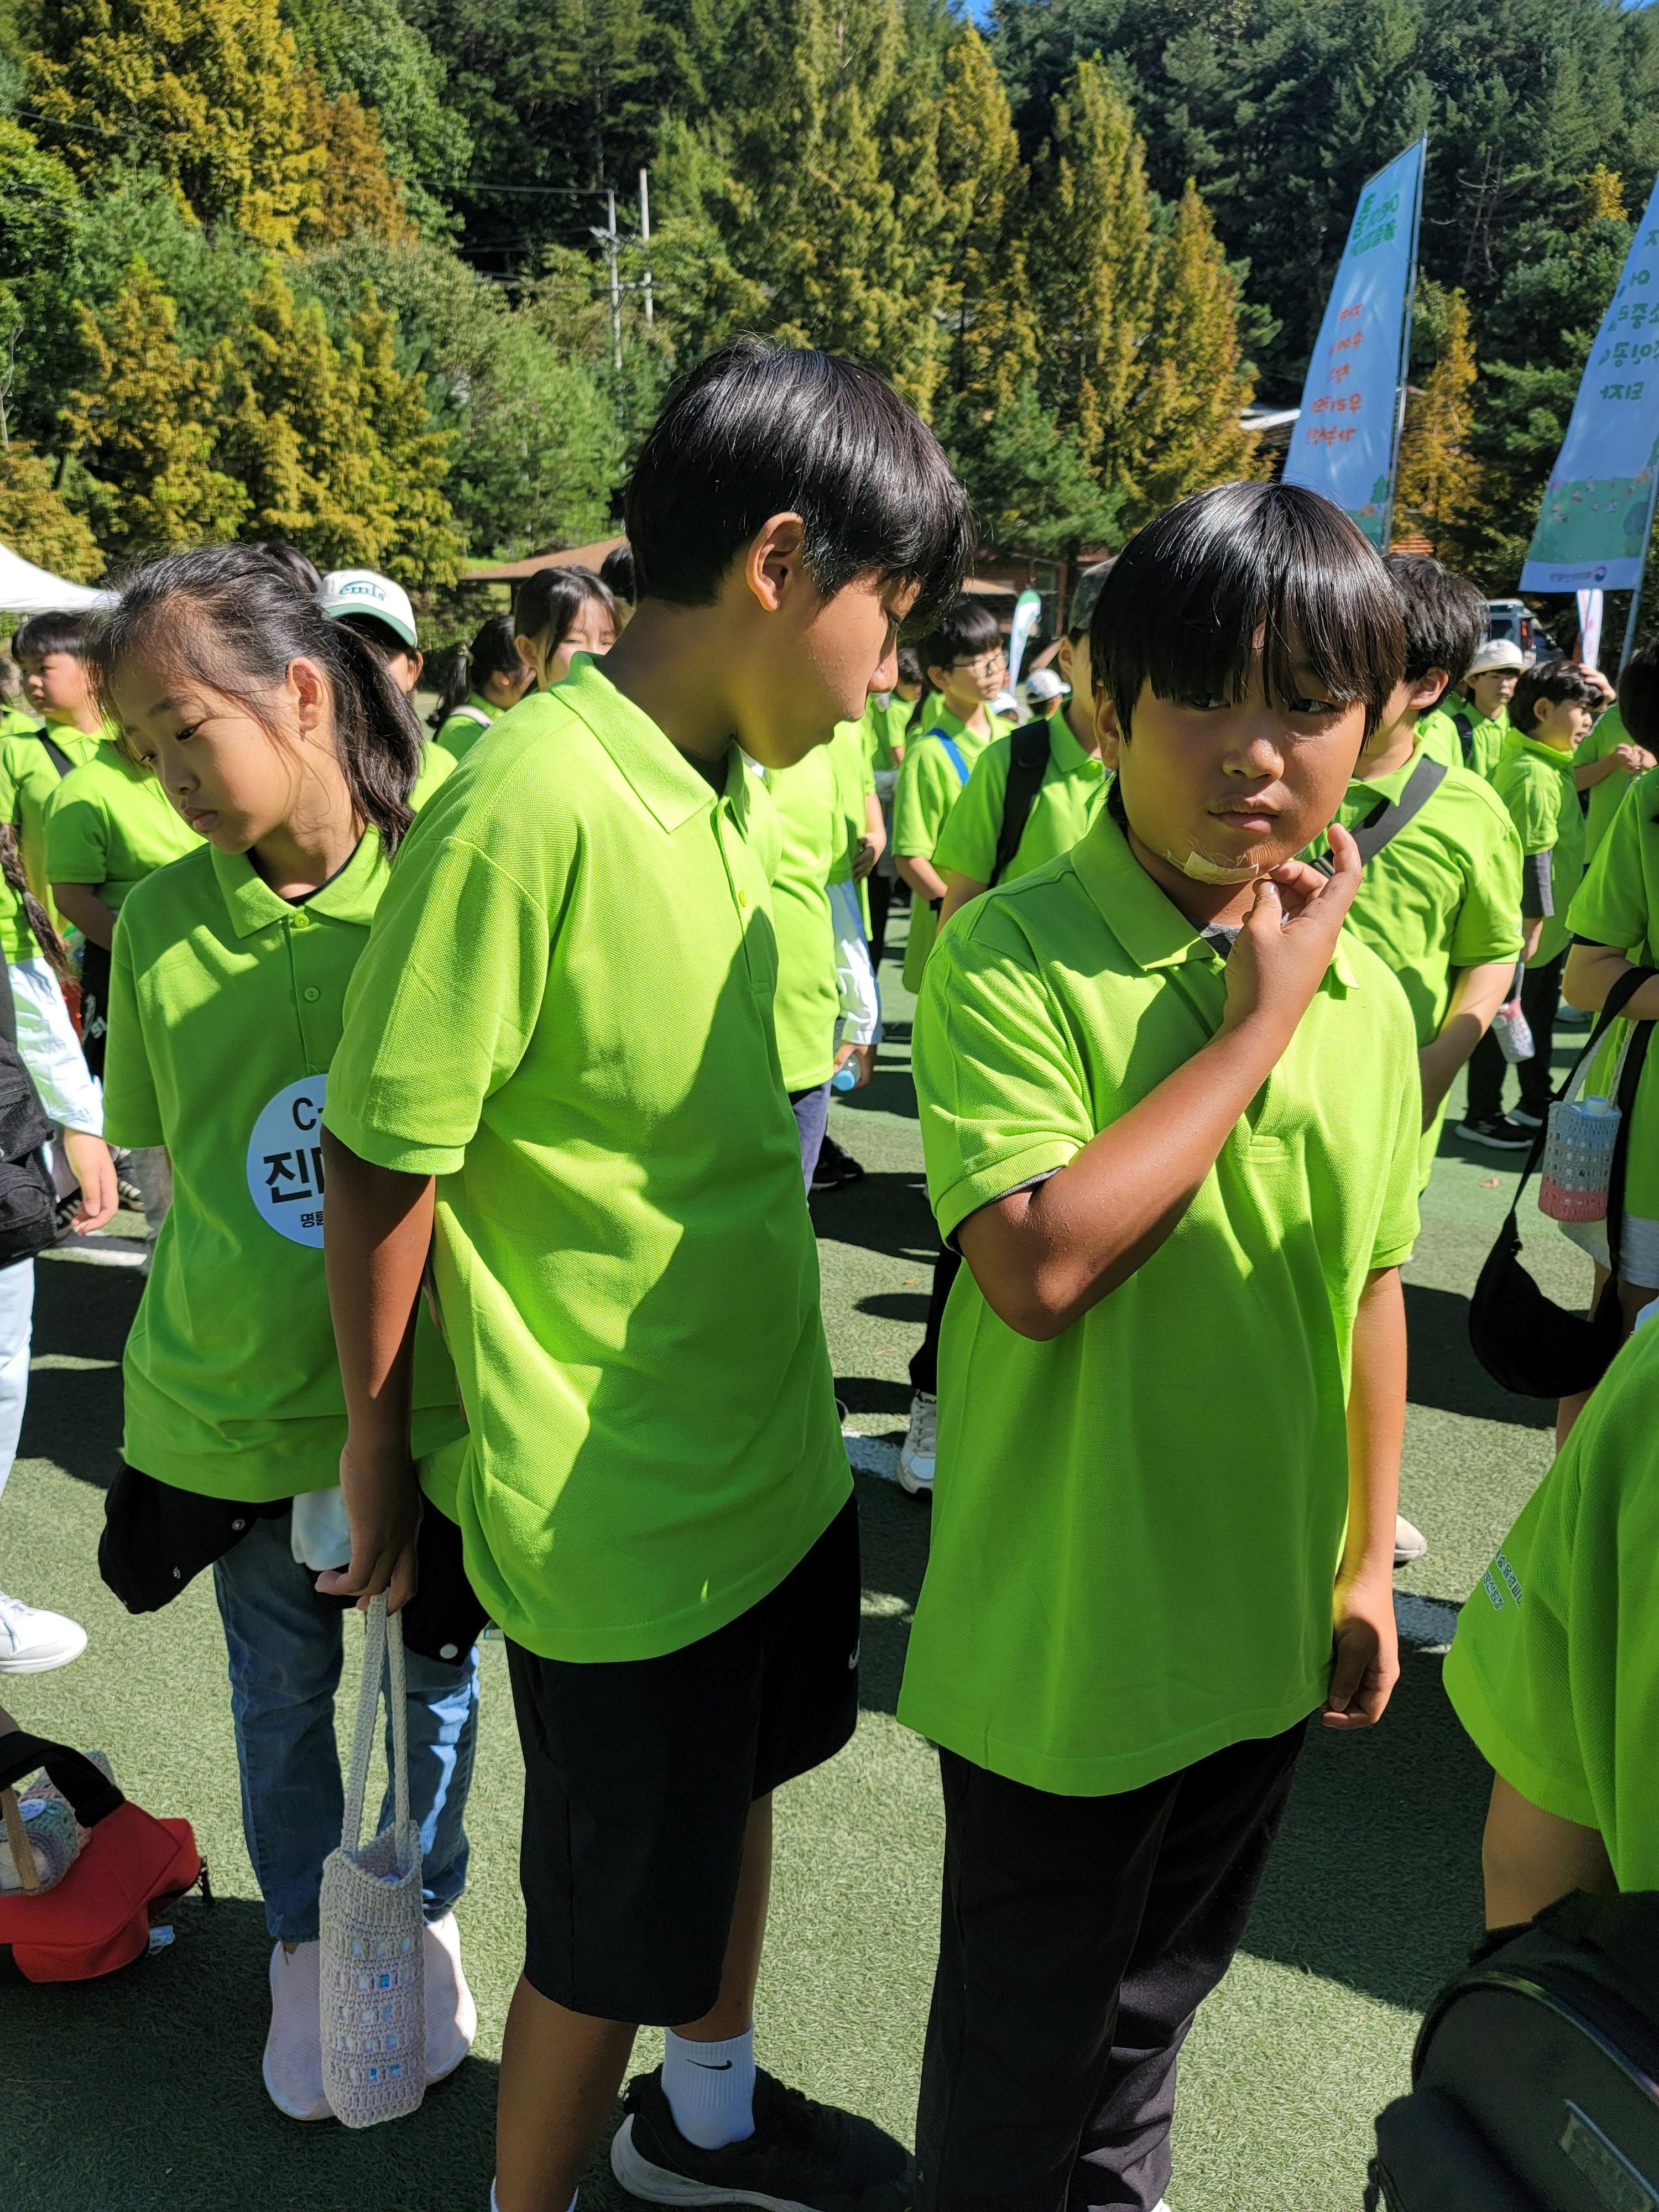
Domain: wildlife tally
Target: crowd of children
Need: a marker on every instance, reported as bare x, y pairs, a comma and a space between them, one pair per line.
553, 998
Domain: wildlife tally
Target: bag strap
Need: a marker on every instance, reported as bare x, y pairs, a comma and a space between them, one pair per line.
55, 753
1629, 1075
1617, 998
467, 713
1028, 763
92, 1795
955, 753
1465, 729
1389, 816
383, 1640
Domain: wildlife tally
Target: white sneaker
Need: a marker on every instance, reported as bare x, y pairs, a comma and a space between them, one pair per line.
293, 2066
34, 1642
1409, 1543
921, 1445
451, 2018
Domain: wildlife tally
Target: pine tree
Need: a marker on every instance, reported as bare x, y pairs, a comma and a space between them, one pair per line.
143, 429
1439, 476
208, 91
993, 342
355, 191
412, 457
1032, 488
1094, 264
36, 521
1186, 432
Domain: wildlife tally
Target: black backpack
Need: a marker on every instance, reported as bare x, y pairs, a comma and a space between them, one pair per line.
1535, 2079
31, 1214
1027, 762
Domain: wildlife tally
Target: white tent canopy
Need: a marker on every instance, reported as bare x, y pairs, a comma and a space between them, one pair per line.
26, 590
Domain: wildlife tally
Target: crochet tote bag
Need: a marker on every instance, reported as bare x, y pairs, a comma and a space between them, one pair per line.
374, 1985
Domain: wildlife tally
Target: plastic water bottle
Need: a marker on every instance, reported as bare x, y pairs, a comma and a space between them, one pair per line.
1578, 1164
845, 1077
1514, 1034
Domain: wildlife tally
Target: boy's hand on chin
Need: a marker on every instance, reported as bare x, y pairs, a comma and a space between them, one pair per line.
1286, 940
1364, 1653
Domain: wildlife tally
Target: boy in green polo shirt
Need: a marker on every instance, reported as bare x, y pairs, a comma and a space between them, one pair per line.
1554, 1670
1446, 619
1480, 713
1137, 1593
1611, 757
564, 1020
1550, 716
965, 659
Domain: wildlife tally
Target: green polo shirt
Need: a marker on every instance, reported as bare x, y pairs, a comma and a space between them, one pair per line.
1535, 783
18, 722
225, 1010
29, 777
109, 824
565, 1014
1555, 1669
1617, 904
462, 730
1437, 736
1607, 797
1128, 1572
929, 787
884, 721
1444, 893
1073, 782
1486, 740
808, 994
855, 782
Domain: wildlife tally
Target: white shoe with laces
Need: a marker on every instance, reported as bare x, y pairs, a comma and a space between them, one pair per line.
451, 2017
33, 1641
1409, 1543
293, 2067
921, 1446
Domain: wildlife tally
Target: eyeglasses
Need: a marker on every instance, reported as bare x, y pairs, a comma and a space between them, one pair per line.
987, 665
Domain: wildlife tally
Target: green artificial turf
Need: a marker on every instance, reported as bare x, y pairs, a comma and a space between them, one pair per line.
142, 2093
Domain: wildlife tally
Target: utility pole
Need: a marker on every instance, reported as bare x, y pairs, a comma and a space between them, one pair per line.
644, 240
615, 287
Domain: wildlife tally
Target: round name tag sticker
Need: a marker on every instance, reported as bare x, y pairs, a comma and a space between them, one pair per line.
285, 1161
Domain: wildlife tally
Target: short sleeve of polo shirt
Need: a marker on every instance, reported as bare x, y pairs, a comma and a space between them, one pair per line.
1534, 803
132, 1112
917, 803
1400, 1219
78, 835
967, 842
1005, 1097
1487, 926
1610, 906
447, 992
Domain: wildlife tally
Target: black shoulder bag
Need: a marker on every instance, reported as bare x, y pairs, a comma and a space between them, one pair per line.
1524, 1340
1027, 762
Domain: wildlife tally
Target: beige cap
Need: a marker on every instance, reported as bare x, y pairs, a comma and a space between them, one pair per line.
1497, 653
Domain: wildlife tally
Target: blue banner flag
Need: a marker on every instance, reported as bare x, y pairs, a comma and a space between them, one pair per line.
1593, 526
1345, 435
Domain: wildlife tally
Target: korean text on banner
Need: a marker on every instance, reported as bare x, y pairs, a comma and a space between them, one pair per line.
1593, 527
1344, 444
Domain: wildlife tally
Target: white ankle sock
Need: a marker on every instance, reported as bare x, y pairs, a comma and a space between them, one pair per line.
710, 2088
494, 2206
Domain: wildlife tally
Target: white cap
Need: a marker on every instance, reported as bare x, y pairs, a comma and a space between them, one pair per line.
360, 592
1043, 684
1496, 653
1004, 704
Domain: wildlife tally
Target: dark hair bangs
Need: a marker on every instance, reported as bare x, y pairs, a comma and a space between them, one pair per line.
547, 603
1552, 683
1243, 572
52, 633
759, 429
1638, 695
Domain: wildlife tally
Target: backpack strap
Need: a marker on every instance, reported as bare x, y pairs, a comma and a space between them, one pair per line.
1028, 763
1389, 816
1465, 729
464, 714
954, 751
55, 753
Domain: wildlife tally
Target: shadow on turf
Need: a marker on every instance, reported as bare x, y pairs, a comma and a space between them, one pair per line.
74, 1414
893, 1529
1444, 1373
1375, 1880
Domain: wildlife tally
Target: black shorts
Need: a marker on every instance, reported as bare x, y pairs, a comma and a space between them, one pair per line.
639, 1776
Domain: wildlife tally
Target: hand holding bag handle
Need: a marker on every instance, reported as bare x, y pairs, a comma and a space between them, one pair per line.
1523, 1339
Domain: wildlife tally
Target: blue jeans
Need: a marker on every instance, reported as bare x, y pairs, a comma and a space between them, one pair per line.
284, 1643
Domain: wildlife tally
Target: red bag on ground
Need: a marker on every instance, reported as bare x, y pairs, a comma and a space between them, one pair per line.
97, 1918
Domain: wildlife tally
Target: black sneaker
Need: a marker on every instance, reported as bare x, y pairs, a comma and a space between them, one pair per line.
802, 2157
836, 1169
1499, 1133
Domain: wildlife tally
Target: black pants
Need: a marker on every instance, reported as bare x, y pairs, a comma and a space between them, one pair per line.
95, 1004
880, 889
924, 1366
1078, 1937
1541, 1000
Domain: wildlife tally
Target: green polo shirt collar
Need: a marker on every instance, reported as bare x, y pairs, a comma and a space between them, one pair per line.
1552, 755
1064, 751
659, 776
1391, 785
1152, 931
351, 896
